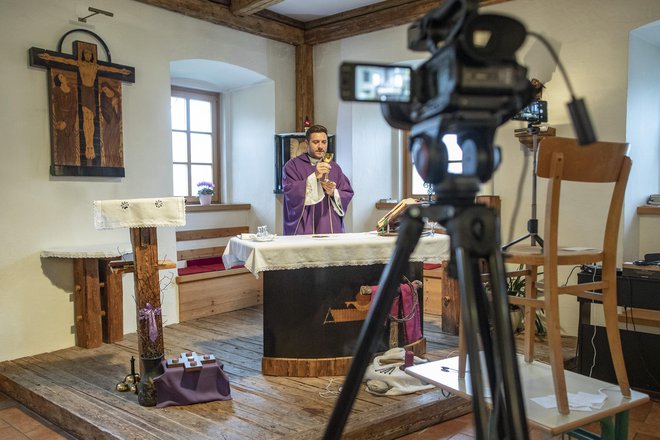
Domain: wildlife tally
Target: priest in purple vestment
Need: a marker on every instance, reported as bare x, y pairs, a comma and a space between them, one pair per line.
316, 193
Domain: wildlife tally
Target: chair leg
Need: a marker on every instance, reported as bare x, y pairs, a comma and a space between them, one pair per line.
554, 339
530, 313
462, 350
614, 339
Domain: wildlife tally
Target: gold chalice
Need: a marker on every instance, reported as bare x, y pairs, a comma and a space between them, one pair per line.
327, 157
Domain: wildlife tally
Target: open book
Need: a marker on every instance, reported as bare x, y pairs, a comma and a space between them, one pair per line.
388, 221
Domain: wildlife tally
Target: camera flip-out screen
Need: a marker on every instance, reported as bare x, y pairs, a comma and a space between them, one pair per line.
375, 83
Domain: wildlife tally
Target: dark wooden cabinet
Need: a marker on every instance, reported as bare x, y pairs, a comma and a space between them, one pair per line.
288, 145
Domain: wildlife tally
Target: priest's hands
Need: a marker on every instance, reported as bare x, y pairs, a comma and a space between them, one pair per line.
322, 168
328, 186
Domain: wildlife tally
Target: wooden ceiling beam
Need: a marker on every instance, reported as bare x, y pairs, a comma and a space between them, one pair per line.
249, 7
371, 18
221, 14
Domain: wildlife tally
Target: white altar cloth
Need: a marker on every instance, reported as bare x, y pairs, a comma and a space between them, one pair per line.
306, 251
139, 213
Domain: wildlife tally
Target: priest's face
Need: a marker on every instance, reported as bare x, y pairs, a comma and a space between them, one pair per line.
317, 145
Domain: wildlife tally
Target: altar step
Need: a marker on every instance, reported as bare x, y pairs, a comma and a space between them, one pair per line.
74, 389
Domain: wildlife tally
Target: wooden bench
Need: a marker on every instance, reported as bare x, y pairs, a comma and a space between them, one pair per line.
206, 287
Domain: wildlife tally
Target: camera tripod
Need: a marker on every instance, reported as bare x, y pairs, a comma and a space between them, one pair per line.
532, 223
474, 232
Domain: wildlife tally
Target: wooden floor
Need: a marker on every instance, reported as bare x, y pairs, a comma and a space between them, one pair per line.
80, 384
74, 389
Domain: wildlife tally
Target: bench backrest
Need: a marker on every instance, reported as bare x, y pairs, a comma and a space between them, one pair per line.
204, 234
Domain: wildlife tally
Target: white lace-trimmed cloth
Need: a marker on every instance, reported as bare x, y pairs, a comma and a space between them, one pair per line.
139, 213
303, 251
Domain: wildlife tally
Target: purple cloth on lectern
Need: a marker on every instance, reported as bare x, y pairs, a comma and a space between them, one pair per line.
412, 327
179, 387
320, 218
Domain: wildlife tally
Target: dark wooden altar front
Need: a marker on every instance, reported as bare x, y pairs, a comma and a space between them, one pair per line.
309, 329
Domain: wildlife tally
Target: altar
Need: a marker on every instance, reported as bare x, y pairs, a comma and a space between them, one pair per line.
311, 283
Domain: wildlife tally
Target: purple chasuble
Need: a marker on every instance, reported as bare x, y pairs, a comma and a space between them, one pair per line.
320, 218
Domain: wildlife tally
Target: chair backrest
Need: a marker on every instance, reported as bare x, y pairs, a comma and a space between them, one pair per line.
597, 162
600, 162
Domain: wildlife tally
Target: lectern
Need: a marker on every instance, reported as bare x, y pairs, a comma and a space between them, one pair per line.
142, 217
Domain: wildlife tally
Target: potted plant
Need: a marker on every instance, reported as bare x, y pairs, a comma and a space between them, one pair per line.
515, 286
205, 192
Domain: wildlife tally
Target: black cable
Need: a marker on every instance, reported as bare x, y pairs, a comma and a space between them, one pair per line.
555, 57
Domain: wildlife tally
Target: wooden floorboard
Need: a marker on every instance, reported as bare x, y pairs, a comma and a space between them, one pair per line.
75, 389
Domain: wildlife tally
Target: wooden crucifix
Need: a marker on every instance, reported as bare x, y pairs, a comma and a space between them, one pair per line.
85, 110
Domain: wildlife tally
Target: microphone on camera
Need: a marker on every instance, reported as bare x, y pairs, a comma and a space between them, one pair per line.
581, 121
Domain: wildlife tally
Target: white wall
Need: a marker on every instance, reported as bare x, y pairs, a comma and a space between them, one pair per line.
643, 129
36, 312
253, 174
592, 41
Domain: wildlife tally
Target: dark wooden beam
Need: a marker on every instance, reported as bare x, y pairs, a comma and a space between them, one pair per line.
304, 85
371, 18
221, 14
249, 7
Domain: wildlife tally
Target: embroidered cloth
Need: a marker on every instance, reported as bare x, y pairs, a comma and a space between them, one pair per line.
350, 249
139, 213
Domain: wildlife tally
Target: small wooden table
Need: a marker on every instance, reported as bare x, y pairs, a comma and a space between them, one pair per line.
98, 296
536, 381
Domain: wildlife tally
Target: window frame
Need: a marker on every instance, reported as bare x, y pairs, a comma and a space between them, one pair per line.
407, 169
214, 98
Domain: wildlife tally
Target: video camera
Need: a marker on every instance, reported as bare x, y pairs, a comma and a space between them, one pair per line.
534, 113
470, 85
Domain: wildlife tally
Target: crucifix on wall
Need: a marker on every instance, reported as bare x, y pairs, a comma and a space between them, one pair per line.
85, 109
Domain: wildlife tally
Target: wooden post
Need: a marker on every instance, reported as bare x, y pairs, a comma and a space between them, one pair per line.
112, 302
147, 288
304, 85
87, 303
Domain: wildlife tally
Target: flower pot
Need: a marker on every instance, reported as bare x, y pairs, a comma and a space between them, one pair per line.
516, 319
205, 199
150, 368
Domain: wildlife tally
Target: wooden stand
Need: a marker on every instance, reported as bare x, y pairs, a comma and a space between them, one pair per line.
527, 139
98, 293
147, 287
97, 302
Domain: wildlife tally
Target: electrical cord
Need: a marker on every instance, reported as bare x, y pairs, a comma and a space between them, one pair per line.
555, 57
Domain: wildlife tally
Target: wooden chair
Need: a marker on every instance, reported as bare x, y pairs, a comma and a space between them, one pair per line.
562, 159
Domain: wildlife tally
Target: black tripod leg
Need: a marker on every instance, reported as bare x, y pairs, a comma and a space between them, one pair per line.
475, 234
516, 241
506, 348
472, 316
373, 327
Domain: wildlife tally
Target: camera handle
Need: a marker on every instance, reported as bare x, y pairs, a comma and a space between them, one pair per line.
533, 222
474, 232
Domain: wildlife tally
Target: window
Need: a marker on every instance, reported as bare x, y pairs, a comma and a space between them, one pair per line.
195, 146
414, 184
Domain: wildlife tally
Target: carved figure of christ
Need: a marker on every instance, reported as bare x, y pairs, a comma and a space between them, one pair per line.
85, 60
